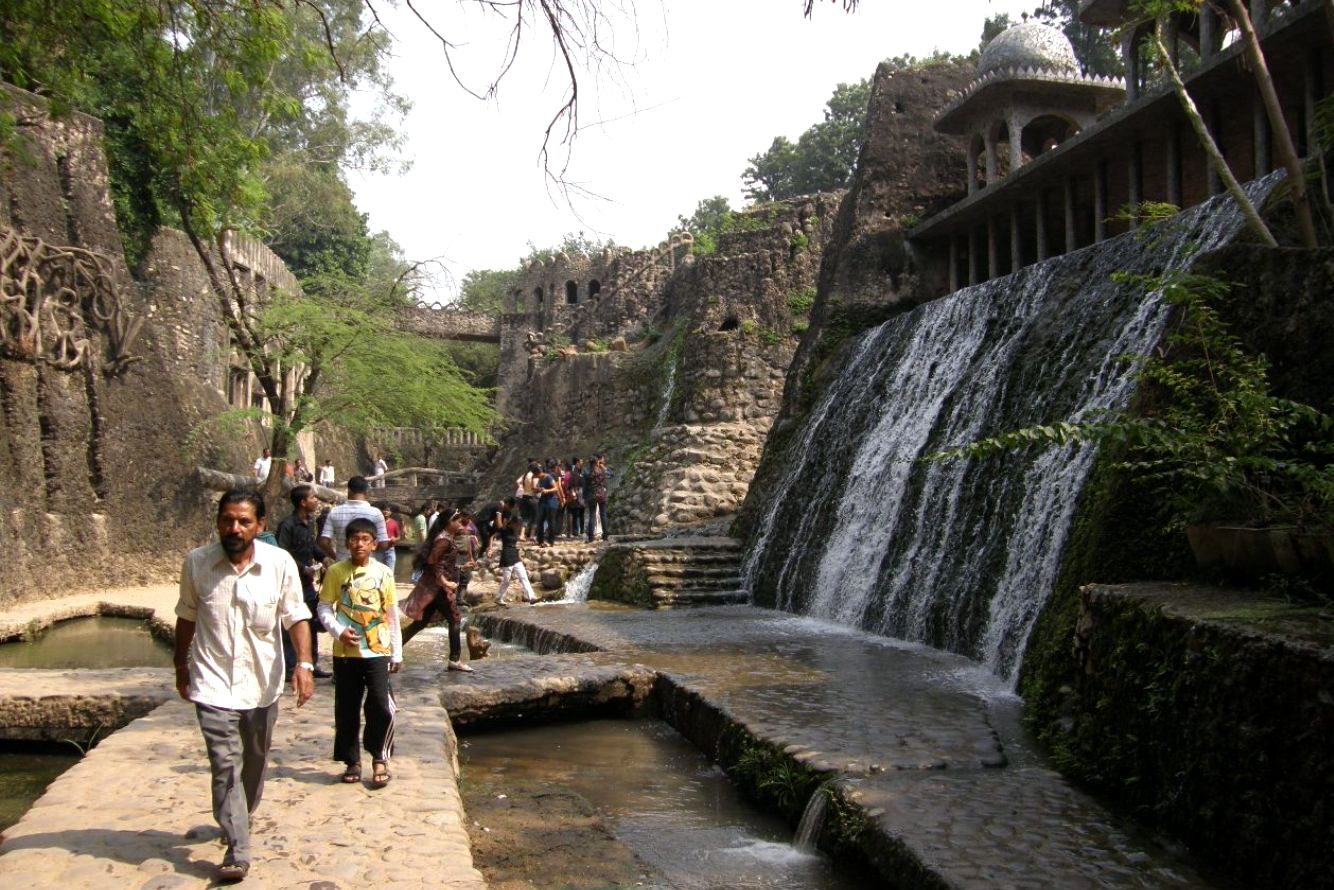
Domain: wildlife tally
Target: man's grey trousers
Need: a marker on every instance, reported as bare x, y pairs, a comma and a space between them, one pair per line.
238, 748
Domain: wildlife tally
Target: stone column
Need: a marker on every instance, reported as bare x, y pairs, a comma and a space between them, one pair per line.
1016, 145
1016, 242
993, 249
1208, 32
1261, 134
1313, 88
1040, 225
1130, 59
989, 142
1134, 192
1100, 202
954, 264
1071, 233
972, 167
974, 260
1174, 166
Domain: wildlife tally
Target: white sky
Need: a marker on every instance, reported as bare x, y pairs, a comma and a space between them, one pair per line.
711, 83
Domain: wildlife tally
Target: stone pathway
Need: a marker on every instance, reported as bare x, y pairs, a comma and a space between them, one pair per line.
135, 812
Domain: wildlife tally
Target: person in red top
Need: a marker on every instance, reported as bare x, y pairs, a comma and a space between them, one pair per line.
395, 531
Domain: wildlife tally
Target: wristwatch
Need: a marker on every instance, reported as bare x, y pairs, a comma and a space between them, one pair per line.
307, 665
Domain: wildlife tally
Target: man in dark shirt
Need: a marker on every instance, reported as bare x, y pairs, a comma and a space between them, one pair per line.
297, 536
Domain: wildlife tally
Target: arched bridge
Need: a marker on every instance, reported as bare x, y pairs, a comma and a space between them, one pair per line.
451, 324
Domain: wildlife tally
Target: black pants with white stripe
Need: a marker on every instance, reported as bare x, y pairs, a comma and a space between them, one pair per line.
355, 680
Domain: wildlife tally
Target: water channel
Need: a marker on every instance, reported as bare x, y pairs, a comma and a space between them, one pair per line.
27, 768
613, 803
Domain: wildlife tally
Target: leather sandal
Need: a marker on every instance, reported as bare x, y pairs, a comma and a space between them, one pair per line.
352, 774
381, 775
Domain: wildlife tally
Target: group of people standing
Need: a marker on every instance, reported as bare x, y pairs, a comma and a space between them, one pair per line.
557, 498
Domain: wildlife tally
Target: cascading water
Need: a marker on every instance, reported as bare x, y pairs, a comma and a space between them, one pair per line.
668, 389
962, 554
576, 589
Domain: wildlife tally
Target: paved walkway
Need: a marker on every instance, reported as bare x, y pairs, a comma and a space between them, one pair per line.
135, 812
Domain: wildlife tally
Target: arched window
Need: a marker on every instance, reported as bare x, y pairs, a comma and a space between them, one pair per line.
537, 292
571, 293
1044, 133
594, 288
731, 324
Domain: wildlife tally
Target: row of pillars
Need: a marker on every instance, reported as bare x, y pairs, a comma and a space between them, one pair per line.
975, 252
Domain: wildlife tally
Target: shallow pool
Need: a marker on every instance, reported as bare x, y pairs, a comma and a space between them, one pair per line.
100, 642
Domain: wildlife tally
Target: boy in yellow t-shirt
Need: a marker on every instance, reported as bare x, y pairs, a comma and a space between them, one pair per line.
357, 607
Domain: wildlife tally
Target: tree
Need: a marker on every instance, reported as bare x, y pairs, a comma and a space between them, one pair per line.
1160, 11
485, 290
822, 159
1092, 45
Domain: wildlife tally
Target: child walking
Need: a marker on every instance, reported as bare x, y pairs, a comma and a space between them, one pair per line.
357, 607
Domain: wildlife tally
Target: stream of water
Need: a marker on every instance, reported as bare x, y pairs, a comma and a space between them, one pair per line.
962, 554
672, 807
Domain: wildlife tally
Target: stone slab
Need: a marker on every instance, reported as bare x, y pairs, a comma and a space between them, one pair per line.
135, 812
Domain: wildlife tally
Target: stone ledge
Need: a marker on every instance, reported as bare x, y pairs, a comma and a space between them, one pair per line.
50, 705
1210, 712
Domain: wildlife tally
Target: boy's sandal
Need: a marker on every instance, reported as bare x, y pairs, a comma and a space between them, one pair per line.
352, 773
381, 775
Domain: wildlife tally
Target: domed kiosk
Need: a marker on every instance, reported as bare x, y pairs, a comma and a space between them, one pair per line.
1028, 98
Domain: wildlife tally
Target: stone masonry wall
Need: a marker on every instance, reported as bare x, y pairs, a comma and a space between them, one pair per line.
682, 401
99, 469
906, 171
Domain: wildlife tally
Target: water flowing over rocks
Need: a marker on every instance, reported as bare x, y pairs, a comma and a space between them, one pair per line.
935, 783
962, 554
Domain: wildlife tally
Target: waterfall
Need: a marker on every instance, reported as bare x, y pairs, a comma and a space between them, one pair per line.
668, 389
812, 820
962, 554
576, 589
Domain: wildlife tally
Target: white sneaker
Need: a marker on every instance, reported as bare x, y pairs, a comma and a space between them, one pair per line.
460, 666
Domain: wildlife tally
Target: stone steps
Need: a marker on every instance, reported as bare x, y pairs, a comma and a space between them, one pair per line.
693, 582
711, 596
692, 570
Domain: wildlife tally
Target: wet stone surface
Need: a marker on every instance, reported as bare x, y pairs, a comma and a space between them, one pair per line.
926, 743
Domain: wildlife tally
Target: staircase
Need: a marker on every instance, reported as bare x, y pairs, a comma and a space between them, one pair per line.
671, 573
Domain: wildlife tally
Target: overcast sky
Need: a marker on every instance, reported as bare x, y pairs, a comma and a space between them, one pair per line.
707, 85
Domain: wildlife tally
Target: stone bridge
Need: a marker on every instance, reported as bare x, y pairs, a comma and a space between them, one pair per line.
451, 324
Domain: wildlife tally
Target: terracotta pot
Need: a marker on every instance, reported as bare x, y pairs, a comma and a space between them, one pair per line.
1261, 551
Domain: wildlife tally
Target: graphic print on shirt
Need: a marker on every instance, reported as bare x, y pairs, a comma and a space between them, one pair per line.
363, 605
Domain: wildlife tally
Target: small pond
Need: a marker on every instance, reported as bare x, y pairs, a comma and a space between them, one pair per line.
624, 802
100, 642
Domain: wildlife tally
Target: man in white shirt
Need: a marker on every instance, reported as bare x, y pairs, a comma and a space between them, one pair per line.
262, 464
234, 595
333, 537
327, 473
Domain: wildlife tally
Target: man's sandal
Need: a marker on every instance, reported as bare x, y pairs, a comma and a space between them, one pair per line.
352, 774
381, 775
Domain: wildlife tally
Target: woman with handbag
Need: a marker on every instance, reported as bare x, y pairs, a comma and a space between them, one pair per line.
435, 596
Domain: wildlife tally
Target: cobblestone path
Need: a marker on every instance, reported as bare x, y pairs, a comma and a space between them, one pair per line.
135, 812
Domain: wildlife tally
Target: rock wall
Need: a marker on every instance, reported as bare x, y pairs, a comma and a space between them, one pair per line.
99, 462
906, 171
1208, 712
683, 398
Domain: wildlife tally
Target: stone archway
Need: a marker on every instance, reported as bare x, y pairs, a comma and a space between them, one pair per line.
571, 293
